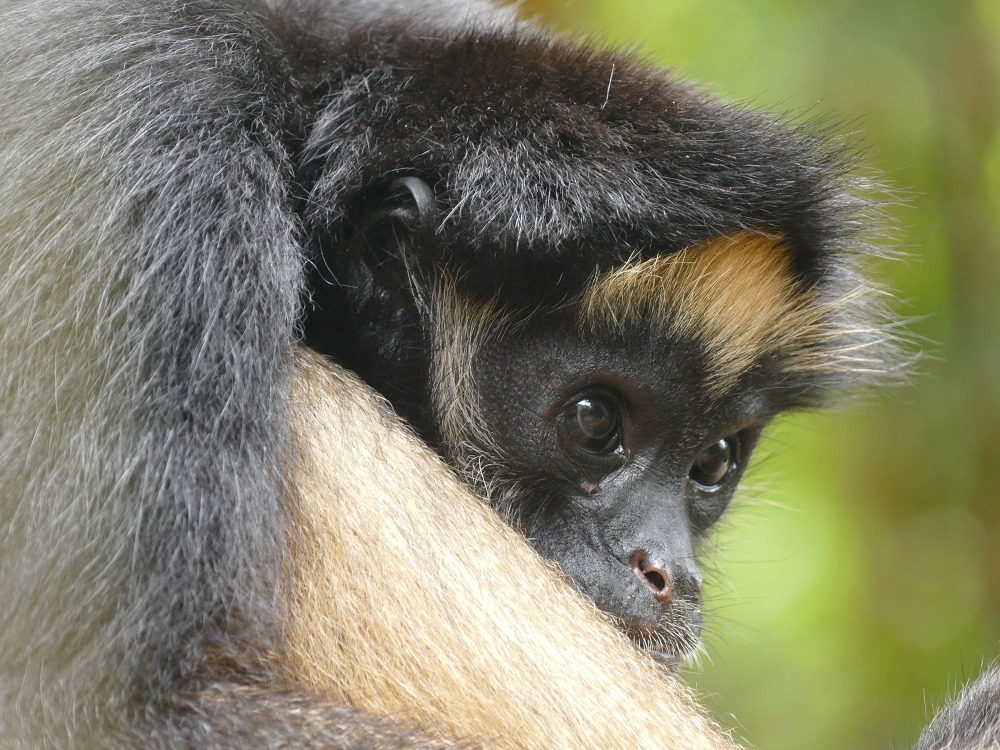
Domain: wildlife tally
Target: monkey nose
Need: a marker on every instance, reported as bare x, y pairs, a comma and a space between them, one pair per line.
656, 579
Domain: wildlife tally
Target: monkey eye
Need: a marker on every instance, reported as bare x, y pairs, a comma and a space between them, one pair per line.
592, 424
714, 464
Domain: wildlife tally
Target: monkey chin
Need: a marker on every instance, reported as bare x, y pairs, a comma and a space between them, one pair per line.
667, 662
669, 642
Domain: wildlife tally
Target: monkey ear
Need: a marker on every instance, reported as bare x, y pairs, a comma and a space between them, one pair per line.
383, 280
411, 201
402, 225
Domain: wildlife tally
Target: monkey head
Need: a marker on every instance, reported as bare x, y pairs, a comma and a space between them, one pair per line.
587, 285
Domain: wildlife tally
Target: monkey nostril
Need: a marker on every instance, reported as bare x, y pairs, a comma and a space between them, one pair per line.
656, 579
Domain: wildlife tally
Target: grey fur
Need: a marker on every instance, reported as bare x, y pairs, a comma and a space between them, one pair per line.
150, 286
971, 721
343, 16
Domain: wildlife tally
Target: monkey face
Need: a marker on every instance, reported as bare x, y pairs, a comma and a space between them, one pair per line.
609, 418
613, 426
613, 455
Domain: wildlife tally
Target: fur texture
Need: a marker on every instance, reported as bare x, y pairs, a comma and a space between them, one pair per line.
737, 298
971, 721
152, 264
192, 548
150, 283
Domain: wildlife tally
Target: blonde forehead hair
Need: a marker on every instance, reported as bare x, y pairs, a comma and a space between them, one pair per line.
736, 295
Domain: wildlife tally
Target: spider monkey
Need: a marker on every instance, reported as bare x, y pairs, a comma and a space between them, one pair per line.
212, 537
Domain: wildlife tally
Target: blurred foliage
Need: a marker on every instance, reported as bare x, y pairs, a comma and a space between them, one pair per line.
858, 579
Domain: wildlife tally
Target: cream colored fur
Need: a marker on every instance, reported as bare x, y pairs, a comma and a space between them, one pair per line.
737, 296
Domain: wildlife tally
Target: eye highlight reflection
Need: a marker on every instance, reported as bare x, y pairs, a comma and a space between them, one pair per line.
592, 424
713, 466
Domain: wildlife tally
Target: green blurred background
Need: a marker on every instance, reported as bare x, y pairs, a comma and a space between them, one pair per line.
855, 583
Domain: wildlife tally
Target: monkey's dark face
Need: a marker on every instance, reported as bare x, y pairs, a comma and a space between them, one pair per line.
610, 425
613, 428
619, 459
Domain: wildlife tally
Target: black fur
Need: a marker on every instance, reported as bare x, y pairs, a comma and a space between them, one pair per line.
559, 157
549, 159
